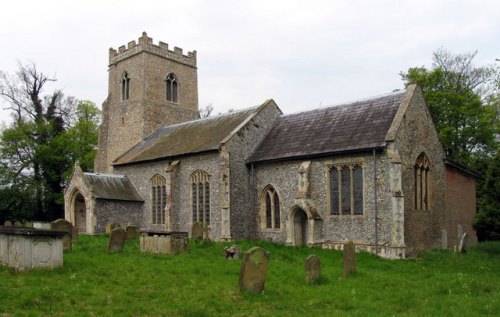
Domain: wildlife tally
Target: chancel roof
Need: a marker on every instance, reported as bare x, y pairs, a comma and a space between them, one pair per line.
189, 137
110, 186
355, 126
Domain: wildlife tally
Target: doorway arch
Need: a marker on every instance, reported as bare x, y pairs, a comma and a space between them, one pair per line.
300, 227
80, 213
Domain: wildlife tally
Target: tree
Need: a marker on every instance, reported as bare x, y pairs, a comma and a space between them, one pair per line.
464, 103
42, 143
459, 96
206, 111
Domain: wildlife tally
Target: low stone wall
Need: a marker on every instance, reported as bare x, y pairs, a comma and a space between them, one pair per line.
384, 251
24, 248
164, 242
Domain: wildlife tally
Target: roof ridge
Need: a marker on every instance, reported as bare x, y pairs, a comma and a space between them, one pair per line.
347, 103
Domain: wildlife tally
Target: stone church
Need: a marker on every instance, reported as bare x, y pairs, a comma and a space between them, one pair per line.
371, 171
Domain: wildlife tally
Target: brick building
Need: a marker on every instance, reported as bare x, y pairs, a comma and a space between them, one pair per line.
371, 171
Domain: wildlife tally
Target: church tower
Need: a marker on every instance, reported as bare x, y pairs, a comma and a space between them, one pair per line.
149, 86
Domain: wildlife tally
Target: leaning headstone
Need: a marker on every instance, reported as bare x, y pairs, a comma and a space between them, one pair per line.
63, 225
313, 269
117, 240
462, 247
110, 226
197, 231
233, 252
349, 258
8, 224
253, 270
132, 232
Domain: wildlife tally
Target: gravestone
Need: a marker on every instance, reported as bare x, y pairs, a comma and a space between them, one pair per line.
74, 233
233, 252
313, 269
18, 224
117, 240
253, 270
462, 247
349, 258
132, 232
110, 226
63, 225
7, 224
197, 231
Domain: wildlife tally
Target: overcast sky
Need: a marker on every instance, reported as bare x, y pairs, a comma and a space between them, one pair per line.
302, 54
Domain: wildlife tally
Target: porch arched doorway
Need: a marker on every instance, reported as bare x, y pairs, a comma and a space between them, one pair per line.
80, 211
300, 227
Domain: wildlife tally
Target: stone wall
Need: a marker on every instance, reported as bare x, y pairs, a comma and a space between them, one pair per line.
416, 134
116, 211
178, 190
461, 205
239, 147
330, 230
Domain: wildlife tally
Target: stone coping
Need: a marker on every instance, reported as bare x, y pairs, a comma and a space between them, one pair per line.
162, 233
31, 232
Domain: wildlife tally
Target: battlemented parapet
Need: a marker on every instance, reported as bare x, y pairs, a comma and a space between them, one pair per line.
146, 44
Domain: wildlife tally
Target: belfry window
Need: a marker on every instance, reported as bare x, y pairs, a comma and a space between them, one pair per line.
125, 86
171, 88
200, 193
158, 199
270, 208
346, 189
421, 174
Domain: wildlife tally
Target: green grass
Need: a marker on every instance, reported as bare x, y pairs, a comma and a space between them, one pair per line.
203, 283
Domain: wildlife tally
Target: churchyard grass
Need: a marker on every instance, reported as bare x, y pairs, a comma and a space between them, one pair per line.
203, 283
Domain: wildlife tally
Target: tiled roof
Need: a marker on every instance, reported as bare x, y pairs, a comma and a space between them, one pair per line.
108, 186
355, 126
187, 138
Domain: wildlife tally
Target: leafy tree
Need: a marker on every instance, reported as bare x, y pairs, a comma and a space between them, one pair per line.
464, 103
459, 96
41, 145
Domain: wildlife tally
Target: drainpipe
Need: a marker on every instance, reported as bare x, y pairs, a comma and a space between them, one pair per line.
376, 199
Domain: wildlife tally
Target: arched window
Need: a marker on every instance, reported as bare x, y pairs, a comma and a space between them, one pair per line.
158, 199
346, 189
270, 208
125, 86
171, 88
422, 182
200, 193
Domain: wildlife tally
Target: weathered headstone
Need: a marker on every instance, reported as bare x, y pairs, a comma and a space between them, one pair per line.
462, 247
63, 225
233, 252
312, 268
28, 224
253, 270
197, 231
179, 242
110, 226
117, 240
18, 224
74, 233
132, 232
8, 224
349, 258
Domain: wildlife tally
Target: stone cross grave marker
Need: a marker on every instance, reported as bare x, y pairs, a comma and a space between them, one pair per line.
197, 231
117, 240
63, 225
253, 270
349, 258
312, 268
132, 232
464, 239
110, 226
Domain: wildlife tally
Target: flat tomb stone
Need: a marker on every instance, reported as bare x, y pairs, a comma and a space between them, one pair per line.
164, 242
24, 249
